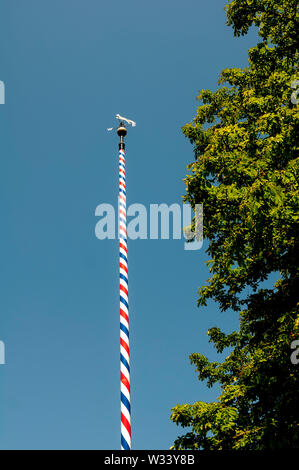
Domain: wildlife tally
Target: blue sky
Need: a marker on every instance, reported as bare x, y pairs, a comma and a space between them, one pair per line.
69, 66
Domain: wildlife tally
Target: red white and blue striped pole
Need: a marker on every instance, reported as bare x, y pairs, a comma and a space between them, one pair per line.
125, 395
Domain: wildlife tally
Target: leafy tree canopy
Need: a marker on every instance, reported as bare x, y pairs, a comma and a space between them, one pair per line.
245, 139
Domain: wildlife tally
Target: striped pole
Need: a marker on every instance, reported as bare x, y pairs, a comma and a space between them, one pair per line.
125, 398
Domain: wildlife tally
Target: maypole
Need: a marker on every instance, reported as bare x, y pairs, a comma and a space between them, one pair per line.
125, 394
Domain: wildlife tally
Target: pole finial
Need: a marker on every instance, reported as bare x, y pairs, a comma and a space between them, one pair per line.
122, 130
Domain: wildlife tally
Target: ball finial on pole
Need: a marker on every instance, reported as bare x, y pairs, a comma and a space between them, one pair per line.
122, 130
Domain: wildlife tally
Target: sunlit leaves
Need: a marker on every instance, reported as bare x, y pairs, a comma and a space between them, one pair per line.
245, 140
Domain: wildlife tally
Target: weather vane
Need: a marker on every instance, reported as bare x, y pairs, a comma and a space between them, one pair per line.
122, 118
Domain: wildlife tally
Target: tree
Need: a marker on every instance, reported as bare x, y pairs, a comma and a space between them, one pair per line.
246, 174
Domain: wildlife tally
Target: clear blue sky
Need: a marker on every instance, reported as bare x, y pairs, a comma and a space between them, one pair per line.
69, 66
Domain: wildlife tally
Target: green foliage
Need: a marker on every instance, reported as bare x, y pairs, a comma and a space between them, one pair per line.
245, 139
